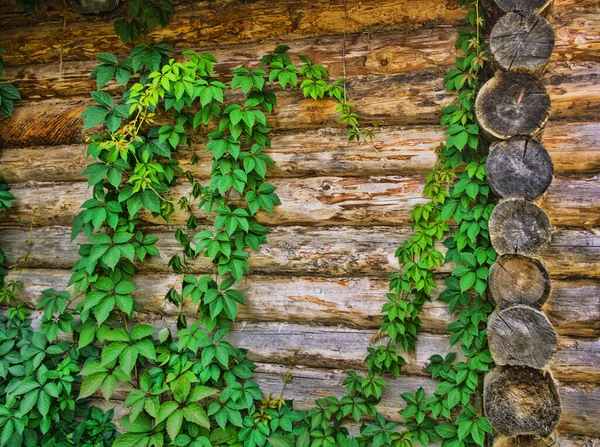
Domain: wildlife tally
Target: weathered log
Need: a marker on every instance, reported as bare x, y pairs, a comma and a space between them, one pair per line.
573, 306
519, 167
519, 227
522, 41
363, 251
198, 25
521, 336
341, 347
527, 441
386, 100
574, 147
518, 279
386, 53
581, 406
512, 104
354, 201
223, 23
521, 401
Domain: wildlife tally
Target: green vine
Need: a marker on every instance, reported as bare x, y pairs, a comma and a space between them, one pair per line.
189, 386
458, 192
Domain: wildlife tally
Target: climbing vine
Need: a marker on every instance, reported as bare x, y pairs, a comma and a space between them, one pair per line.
458, 192
187, 385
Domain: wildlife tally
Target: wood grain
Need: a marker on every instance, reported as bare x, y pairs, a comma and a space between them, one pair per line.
521, 401
315, 201
574, 148
363, 251
520, 168
517, 226
573, 307
522, 41
380, 53
521, 336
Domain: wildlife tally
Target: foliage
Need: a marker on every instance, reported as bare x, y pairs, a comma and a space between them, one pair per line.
189, 386
458, 192
142, 16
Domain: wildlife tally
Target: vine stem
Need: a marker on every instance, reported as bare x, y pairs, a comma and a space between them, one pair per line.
354, 127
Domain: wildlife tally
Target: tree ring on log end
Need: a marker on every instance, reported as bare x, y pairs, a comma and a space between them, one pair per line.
516, 279
521, 401
512, 104
525, 441
521, 336
519, 227
522, 41
519, 167
522, 5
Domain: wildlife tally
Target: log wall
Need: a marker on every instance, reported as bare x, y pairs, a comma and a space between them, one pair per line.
318, 286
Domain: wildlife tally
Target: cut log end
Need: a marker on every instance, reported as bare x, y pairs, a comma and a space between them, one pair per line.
521, 336
512, 104
519, 227
521, 401
519, 167
522, 41
526, 441
516, 279
522, 5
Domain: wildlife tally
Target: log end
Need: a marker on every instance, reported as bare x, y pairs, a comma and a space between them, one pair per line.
512, 104
519, 167
516, 279
521, 401
521, 336
519, 227
522, 41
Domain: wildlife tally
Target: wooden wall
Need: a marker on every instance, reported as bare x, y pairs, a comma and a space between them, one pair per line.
318, 287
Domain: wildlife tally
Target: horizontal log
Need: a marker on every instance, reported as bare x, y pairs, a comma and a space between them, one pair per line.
202, 23
573, 307
302, 251
208, 23
574, 148
397, 100
315, 201
386, 53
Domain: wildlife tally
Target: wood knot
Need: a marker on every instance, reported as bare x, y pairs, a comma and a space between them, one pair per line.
383, 62
326, 187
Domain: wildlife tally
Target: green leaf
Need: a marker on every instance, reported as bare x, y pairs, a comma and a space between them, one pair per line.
467, 281
280, 441
174, 423
94, 115
91, 383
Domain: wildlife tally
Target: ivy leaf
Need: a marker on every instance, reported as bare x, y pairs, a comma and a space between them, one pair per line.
467, 281
94, 115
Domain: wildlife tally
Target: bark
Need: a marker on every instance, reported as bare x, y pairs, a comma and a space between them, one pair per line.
519, 167
202, 24
316, 201
518, 279
521, 401
574, 147
363, 251
521, 336
512, 104
387, 53
519, 227
573, 307
400, 100
522, 41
